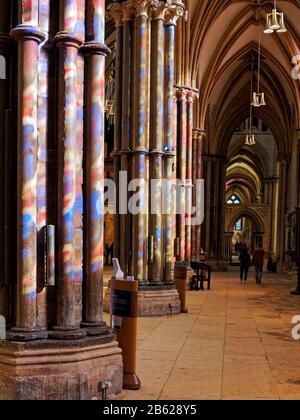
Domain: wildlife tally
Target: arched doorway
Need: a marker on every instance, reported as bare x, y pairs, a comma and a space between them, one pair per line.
244, 226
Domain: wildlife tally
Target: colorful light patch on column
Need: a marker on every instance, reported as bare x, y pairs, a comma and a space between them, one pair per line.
99, 20
27, 158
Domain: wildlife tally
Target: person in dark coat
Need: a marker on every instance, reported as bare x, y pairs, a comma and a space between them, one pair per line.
238, 247
245, 260
258, 262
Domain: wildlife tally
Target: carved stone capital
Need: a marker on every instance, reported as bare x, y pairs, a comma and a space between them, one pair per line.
131, 9
192, 95
198, 134
115, 12
144, 7
181, 94
174, 11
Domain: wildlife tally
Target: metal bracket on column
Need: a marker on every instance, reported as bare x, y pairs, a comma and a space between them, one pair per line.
151, 249
47, 256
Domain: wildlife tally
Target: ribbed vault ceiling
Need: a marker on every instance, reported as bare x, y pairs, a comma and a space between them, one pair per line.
224, 39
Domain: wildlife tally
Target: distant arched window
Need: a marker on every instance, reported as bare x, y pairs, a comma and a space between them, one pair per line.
239, 225
2, 68
234, 200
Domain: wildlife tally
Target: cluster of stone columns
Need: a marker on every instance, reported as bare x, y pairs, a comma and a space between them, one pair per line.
5, 162
284, 165
215, 211
198, 173
28, 36
70, 41
145, 139
271, 186
186, 171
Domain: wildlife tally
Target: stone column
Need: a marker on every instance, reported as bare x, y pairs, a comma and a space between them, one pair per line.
68, 45
195, 173
118, 126
215, 206
216, 203
126, 131
208, 208
228, 246
175, 237
266, 191
298, 164
274, 214
169, 155
181, 169
171, 17
200, 175
198, 136
140, 141
5, 52
43, 152
96, 51
189, 175
157, 140
28, 36
282, 198
221, 208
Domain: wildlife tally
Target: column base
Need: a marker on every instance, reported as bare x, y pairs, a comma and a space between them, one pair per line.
67, 333
154, 300
58, 370
23, 336
96, 329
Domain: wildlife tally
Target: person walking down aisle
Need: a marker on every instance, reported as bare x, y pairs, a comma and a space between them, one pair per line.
245, 260
258, 262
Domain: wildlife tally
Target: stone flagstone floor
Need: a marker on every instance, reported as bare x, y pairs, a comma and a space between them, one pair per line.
235, 343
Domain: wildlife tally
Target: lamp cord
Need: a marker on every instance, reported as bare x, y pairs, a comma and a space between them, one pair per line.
259, 63
251, 98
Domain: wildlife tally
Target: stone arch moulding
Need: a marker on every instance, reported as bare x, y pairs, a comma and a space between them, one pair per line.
254, 214
2, 68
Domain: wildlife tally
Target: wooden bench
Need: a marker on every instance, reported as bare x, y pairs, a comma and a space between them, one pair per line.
203, 274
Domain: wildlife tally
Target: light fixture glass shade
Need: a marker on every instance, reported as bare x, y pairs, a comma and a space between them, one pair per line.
262, 100
268, 29
274, 20
250, 140
256, 102
282, 28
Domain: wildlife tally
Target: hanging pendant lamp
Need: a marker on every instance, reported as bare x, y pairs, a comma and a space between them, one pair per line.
275, 21
250, 138
258, 97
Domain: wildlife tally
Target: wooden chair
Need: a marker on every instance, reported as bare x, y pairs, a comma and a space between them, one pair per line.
203, 274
